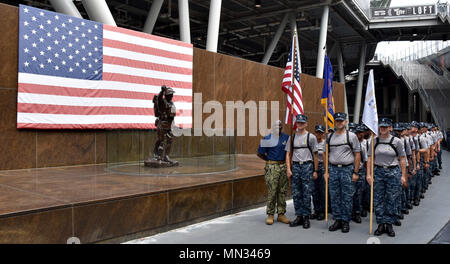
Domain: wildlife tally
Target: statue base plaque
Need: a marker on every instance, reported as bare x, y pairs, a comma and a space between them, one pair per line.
156, 163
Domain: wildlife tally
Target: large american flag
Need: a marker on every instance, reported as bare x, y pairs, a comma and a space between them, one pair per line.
287, 84
80, 74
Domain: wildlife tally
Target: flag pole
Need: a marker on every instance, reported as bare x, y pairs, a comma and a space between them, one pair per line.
292, 99
292, 83
325, 160
371, 184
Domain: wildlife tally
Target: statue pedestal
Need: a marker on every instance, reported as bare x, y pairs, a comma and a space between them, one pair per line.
155, 163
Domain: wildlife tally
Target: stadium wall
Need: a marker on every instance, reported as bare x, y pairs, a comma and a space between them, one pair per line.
218, 77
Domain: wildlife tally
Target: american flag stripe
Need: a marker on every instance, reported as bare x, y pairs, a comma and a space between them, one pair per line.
85, 126
146, 50
89, 119
296, 107
66, 109
151, 41
81, 92
25, 78
298, 99
163, 61
133, 79
182, 80
151, 37
145, 65
88, 101
133, 67
100, 110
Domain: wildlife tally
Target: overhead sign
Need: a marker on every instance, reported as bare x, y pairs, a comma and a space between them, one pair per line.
391, 12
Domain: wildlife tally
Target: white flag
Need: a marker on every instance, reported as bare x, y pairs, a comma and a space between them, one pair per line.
370, 116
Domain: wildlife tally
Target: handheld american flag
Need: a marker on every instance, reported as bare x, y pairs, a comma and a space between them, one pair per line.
80, 74
291, 84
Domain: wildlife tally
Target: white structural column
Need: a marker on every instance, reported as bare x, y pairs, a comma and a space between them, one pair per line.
341, 74
152, 16
213, 25
322, 42
359, 85
65, 7
99, 11
275, 39
183, 12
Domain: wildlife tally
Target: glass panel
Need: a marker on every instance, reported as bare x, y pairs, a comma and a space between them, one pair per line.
127, 151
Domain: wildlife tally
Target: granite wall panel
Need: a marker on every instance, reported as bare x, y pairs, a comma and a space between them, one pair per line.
101, 221
48, 227
9, 21
189, 204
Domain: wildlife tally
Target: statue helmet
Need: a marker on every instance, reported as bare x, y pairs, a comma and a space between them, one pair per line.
169, 91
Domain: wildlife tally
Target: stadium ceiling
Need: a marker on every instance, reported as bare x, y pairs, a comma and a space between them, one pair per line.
246, 31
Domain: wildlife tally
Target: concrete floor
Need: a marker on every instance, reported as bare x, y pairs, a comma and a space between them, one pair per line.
419, 227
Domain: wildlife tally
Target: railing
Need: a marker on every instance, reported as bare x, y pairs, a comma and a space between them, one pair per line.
433, 88
418, 50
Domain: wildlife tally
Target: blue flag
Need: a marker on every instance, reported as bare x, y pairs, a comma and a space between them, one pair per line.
327, 93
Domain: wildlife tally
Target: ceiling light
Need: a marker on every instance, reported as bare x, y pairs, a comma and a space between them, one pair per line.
257, 3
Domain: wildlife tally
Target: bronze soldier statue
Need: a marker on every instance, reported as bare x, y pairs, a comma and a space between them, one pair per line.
165, 112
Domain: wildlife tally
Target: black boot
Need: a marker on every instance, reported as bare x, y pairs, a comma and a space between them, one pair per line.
380, 230
405, 211
345, 227
390, 230
397, 223
357, 218
422, 196
313, 216
306, 223
320, 216
337, 225
416, 202
364, 213
409, 206
298, 221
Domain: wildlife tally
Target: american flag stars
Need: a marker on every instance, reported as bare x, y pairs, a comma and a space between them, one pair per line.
71, 45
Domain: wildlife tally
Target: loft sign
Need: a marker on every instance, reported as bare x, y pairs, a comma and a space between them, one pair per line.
404, 11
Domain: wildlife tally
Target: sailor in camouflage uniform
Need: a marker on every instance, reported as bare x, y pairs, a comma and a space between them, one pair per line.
416, 180
359, 184
435, 137
319, 183
401, 202
303, 170
344, 161
366, 187
411, 168
426, 170
272, 151
440, 139
389, 160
